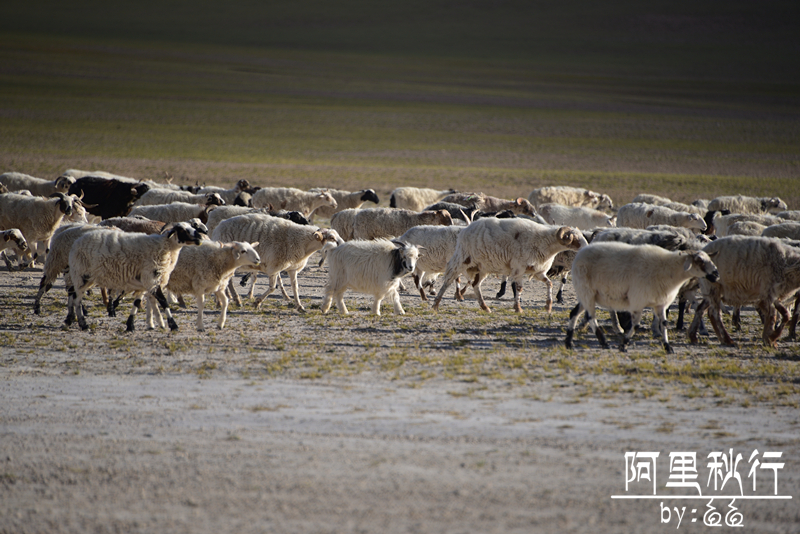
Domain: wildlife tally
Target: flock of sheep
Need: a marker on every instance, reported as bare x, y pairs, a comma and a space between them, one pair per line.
156, 242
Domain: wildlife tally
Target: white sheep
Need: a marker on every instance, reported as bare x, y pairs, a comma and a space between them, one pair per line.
577, 216
343, 222
570, 196
688, 208
14, 240
517, 248
640, 215
292, 199
208, 269
630, 278
168, 196
744, 204
436, 246
655, 200
787, 230
228, 195
790, 215
752, 270
16, 181
135, 263
344, 200
36, 217
723, 222
392, 222
372, 267
746, 228
174, 212
283, 246
416, 198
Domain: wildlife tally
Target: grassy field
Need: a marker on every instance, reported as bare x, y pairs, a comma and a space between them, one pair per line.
622, 101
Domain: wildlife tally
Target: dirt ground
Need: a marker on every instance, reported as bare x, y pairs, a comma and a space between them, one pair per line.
459, 421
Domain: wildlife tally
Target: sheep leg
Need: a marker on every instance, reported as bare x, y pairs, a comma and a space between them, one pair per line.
234, 294
376, 305
252, 292
340, 303
795, 316
296, 290
129, 325
164, 304
273, 282
44, 286
283, 289
502, 288
417, 279
326, 301
516, 285
548, 305
661, 314
200, 298
222, 301
715, 316
573, 318
449, 276
460, 290
398, 307
784, 319
698, 319
736, 319
71, 294
629, 331
476, 285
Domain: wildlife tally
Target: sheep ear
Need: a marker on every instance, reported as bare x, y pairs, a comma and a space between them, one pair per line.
6, 237
564, 235
520, 201
399, 244
687, 264
648, 213
713, 255
254, 245
318, 236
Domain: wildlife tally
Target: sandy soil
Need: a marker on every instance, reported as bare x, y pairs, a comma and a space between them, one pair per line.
456, 422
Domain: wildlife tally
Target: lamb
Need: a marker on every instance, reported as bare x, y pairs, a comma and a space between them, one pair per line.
787, 230
344, 200
723, 222
640, 215
416, 198
629, 278
130, 263
570, 196
228, 195
487, 203
106, 198
744, 204
579, 217
174, 212
392, 222
436, 246
168, 196
221, 213
284, 246
16, 181
35, 217
516, 248
655, 200
208, 269
14, 240
291, 199
371, 267
757, 270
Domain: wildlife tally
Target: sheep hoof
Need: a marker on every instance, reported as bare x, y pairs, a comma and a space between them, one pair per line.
172, 324
668, 349
568, 340
548, 307
129, 324
517, 308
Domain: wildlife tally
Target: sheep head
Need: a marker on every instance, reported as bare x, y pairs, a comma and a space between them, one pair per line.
404, 258
572, 238
700, 264
184, 234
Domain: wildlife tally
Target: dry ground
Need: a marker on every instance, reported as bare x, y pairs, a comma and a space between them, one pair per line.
453, 422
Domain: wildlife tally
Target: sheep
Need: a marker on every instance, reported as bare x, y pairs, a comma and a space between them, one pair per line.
723, 222
130, 263
221, 213
436, 245
746, 228
392, 222
629, 278
107, 197
570, 196
640, 215
655, 200
344, 200
168, 196
343, 221
513, 247
791, 215
416, 198
3, 189
207, 269
291, 199
456, 211
487, 203
577, 216
744, 204
78, 174
284, 246
790, 230
14, 240
372, 267
35, 217
757, 270
16, 181
174, 212
228, 195
688, 208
